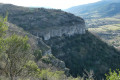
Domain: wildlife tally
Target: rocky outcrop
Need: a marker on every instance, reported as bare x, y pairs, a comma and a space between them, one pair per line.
53, 63
45, 48
36, 42
69, 31
44, 23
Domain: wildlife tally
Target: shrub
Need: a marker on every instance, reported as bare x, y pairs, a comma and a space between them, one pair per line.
113, 75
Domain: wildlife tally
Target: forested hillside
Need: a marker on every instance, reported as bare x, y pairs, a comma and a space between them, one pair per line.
49, 44
20, 60
85, 52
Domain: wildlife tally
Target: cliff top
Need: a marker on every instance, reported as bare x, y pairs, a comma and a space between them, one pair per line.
38, 18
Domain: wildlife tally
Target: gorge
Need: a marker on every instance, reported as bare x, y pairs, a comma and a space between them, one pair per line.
65, 36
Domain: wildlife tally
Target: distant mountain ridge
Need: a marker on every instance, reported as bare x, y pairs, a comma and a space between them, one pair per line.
111, 0
101, 18
96, 10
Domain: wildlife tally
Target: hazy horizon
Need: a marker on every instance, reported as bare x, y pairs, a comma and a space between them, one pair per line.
57, 4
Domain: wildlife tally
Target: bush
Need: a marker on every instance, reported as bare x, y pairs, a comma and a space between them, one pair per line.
115, 75
38, 54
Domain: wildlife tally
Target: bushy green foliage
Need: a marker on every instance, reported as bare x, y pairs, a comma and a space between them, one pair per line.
56, 75
32, 69
15, 53
38, 54
3, 26
85, 52
3, 29
46, 60
113, 75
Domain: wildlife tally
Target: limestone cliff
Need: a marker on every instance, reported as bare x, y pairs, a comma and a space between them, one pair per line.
69, 31
37, 43
45, 23
67, 38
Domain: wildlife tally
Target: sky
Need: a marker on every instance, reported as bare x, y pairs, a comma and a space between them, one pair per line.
57, 4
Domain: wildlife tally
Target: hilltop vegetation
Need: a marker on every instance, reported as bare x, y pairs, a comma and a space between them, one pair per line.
38, 19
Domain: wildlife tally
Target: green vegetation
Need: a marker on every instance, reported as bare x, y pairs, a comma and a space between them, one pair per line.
85, 52
49, 75
102, 19
46, 60
15, 53
38, 54
39, 19
85, 55
115, 75
3, 26
17, 61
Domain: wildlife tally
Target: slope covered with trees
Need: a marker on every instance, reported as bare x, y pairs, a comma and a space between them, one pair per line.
85, 52
18, 60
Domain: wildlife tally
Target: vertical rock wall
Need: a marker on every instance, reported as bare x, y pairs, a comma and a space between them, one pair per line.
69, 31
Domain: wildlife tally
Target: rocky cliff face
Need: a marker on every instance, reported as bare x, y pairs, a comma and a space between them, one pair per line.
54, 64
37, 43
68, 31
45, 23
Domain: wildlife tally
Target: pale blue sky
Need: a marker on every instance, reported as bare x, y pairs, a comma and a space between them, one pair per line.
57, 4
